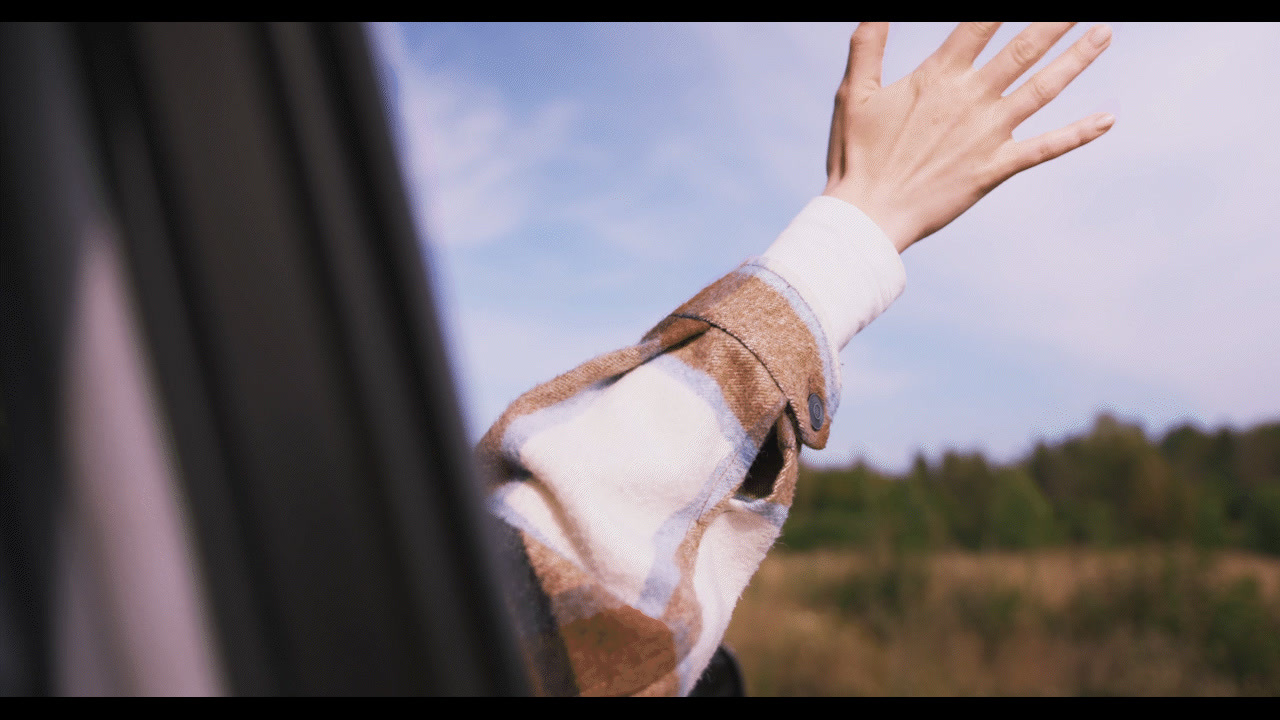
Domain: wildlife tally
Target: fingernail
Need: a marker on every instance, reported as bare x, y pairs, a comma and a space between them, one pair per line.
1099, 35
1106, 121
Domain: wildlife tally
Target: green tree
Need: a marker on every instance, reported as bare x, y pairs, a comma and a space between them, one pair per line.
1019, 517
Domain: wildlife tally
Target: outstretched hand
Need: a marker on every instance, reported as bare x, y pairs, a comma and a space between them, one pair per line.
915, 155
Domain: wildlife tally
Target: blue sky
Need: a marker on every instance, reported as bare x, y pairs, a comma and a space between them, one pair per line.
575, 182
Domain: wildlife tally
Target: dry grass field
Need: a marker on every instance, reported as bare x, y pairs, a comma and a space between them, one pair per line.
1046, 622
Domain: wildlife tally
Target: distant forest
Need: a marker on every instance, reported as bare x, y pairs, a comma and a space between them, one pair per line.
1110, 487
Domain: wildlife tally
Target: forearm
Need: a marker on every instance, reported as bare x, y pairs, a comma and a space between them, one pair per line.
648, 484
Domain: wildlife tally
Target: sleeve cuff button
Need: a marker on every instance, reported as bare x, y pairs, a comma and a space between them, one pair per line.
815, 411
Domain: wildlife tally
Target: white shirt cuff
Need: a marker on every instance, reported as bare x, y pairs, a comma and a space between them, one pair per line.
841, 263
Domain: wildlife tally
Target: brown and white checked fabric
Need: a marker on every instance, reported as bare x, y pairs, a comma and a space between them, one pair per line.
643, 488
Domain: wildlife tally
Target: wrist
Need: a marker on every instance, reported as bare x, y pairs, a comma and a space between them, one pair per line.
841, 263
894, 224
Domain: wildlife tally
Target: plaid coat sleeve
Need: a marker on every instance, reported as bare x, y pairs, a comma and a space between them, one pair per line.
642, 489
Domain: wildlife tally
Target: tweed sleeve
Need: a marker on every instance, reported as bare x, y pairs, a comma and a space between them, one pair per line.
641, 490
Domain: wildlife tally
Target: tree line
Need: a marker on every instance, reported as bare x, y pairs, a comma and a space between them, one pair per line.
1109, 487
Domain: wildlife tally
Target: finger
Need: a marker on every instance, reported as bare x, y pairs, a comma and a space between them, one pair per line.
1054, 78
1021, 53
1032, 152
966, 42
866, 55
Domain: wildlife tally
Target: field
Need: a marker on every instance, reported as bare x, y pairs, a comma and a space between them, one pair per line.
1039, 622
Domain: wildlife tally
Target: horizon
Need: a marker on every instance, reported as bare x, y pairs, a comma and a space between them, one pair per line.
577, 181
1017, 459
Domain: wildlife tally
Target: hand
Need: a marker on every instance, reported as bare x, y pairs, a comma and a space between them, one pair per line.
915, 155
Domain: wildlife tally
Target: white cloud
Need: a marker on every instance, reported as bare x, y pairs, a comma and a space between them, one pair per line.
504, 353
867, 377
1150, 252
473, 161
1150, 255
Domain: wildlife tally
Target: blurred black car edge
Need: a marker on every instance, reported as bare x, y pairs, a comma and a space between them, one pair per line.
232, 455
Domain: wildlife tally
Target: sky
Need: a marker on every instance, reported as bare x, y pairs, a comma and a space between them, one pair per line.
574, 183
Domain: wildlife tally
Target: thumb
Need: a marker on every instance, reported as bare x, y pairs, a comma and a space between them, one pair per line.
866, 55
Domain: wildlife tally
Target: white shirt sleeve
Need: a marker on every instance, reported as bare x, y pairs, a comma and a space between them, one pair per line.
842, 263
